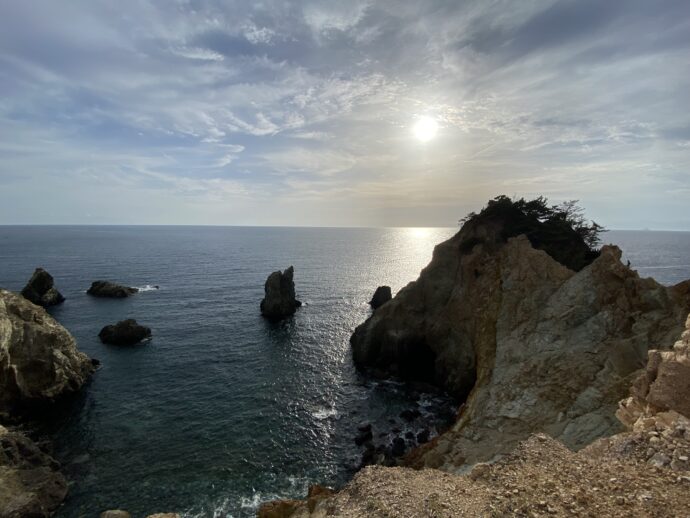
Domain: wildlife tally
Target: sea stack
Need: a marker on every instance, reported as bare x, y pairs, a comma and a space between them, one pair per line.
107, 289
125, 332
381, 296
279, 300
40, 289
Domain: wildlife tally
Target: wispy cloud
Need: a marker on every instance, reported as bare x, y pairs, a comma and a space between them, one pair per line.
178, 107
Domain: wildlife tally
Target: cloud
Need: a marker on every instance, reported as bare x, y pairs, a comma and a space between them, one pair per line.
276, 103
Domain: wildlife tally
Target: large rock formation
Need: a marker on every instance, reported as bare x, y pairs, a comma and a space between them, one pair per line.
642, 472
39, 360
111, 290
279, 300
125, 332
381, 296
30, 483
40, 289
527, 343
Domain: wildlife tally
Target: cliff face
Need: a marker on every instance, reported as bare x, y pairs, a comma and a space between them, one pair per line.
529, 344
39, 359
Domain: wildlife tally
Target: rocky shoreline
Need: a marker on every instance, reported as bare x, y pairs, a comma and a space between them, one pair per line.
643, 471
540, 349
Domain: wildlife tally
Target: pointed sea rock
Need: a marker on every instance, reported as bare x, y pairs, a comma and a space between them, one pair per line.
279, 300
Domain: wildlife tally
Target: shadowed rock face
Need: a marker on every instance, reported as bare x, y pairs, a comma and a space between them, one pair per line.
40, 289
381, 296
527, 343
30, 484
39, 360
279, 300
125, 332
108, 289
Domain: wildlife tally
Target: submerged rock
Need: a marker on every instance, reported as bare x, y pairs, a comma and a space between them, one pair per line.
40, 289
539, 346
125, 332
115, 513
39, 359
30, 483
109, 289
381, 296
279, 300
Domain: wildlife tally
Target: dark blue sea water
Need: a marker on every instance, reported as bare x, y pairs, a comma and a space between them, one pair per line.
222, 409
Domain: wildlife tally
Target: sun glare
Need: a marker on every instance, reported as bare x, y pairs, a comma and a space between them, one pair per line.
425, 129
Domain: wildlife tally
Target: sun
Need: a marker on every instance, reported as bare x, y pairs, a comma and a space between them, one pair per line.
425, 128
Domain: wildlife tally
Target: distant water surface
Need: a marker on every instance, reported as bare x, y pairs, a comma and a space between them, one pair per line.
222, 409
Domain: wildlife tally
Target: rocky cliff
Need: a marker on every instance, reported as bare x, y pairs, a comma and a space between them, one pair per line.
527, 343
644, 471
39, 364
39, 359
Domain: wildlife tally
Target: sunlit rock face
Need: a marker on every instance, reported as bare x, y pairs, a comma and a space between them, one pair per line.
528, 344
39, 359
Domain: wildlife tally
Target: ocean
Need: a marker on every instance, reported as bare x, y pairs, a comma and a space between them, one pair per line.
223, 409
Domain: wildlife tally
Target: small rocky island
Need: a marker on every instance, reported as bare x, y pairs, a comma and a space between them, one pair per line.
125, 332
41, 289
107, 289
279, 300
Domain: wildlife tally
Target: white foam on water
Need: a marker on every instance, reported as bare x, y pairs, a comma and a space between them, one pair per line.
324, 413
147, 287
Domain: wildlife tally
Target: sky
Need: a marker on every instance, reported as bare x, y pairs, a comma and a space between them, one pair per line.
303, 113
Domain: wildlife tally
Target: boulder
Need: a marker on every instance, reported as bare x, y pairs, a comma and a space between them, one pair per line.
115, 513
279, 300
125, 332
111, 290
40, 289
525, 342
30, 483
39, 359
381, 296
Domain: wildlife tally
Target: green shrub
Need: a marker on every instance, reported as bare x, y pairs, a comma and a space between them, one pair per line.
560, 230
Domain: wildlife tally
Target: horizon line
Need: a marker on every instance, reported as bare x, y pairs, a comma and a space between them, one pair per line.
646, 229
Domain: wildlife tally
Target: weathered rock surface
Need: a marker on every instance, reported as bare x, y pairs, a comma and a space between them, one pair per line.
125, 332
662, 390
530, 344
382, 295
39, 359
107, 289
656, 414
279, 300
41, 290
30, 483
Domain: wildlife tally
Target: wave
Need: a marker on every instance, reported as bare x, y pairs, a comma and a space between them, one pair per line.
148, 287
324, 413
